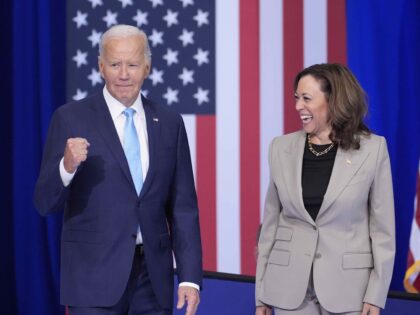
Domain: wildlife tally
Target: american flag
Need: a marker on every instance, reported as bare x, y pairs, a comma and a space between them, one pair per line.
412, 275
228, 67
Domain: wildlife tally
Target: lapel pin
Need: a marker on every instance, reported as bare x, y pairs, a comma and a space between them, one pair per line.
348, 161
155, 119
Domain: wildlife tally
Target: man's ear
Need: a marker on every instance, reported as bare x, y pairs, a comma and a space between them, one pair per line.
101, 66
148, 66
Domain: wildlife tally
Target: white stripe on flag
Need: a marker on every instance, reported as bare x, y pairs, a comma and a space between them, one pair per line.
271, 84
314, 32
190, 126
227, 136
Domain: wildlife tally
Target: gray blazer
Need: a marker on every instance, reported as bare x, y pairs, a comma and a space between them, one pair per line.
350, 246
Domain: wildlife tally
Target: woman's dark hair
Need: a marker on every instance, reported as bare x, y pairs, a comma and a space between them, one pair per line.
347, 104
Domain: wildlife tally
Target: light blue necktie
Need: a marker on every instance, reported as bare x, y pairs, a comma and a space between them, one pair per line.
132, 149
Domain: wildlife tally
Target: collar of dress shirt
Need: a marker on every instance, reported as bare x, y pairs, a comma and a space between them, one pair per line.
116, 107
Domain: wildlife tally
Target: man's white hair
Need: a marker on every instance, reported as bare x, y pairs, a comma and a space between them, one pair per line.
123, 31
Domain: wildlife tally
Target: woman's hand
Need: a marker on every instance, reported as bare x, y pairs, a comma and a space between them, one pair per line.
263, 310
369, 309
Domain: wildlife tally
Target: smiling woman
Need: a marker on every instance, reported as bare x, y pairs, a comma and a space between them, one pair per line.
334, 105
312, 107
331, 191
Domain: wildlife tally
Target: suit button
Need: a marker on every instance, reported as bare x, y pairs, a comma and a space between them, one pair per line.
138, 204
318, 255
315, 228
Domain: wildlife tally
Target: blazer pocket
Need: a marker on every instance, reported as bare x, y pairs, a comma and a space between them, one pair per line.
279, 257
357, 260
82, 236
284, 233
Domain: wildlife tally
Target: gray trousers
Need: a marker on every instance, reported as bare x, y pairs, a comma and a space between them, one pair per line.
310, 305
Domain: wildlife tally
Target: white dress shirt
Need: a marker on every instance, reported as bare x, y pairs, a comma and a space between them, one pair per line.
116, 110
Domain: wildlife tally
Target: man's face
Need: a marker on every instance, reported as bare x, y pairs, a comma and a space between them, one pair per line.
124, 67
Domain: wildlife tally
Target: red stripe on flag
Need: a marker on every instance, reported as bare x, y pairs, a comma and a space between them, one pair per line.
249, 131
293, 59
206, 187
416, 283
337, 35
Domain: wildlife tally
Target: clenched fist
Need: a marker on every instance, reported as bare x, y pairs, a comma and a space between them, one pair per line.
75, 153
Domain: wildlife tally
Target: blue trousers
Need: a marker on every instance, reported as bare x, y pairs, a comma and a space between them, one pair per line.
138, 297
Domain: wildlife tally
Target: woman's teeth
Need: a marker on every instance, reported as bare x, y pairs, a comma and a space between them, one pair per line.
306, 118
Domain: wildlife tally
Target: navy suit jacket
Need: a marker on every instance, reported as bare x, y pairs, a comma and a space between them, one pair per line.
102, 209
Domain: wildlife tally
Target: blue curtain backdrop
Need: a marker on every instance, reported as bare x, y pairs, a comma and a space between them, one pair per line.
7, 285
383, 51
30, 245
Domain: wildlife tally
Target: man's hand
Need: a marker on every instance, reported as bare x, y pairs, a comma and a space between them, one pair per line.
192, 296
263, 310
75, 153
369, 309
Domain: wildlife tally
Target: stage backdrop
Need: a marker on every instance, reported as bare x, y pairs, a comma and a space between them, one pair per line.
228, 67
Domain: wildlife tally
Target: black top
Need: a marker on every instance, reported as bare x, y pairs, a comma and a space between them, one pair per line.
316, 173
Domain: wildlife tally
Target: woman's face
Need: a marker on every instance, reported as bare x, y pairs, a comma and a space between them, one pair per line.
312, 107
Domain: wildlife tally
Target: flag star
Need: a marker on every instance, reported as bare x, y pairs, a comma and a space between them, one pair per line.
156, 76
186, 37
171, 96
202, 56
79, 95
110, 18
95, 77
125, 3
95, 37
140, 18
95, 3
171, 56
186, 76
201, 18
186, 2
80, 19
156, 37
171, 18
155, 3
145, 92
80, 58
201, 95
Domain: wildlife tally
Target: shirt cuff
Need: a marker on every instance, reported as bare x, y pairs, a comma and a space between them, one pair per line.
190, 284
66, 177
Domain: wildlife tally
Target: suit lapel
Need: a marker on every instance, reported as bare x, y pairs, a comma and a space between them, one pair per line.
292, 170
346, 164
153, 132
101, 118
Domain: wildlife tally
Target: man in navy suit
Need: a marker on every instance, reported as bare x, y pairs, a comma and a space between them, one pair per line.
120, 166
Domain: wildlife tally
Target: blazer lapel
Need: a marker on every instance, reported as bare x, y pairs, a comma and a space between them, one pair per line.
101, 118
346, 164
153, 132
292, 171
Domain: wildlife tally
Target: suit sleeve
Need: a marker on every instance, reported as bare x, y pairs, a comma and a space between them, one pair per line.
50, 193
382, 229
184, 220
272, 210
